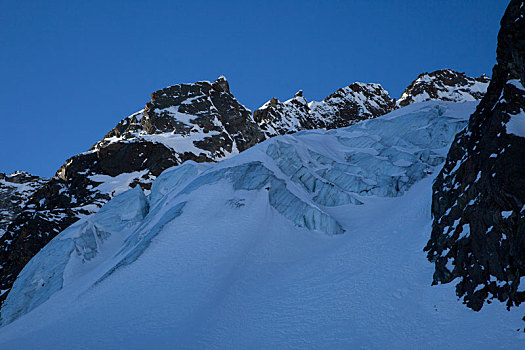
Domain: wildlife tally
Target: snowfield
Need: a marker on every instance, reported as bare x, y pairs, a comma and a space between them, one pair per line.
311, 240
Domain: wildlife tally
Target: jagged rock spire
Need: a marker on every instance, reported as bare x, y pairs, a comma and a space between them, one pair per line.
221, 84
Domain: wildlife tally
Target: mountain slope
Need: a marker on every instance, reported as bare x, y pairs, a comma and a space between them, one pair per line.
279, 246
478, 204
202, 122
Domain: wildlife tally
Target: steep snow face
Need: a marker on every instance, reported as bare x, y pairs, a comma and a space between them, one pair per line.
344, 107
290, 243
15, 190
79, 248
444, 85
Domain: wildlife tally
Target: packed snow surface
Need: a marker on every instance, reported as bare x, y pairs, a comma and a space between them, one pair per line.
311, 240
516, 124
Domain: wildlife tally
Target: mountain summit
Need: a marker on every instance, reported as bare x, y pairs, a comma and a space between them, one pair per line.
444, 85
200, 121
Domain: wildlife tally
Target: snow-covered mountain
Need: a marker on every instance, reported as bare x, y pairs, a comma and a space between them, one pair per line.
15, 190
279, 245
202, 122
444, 85
478, 234
197, 224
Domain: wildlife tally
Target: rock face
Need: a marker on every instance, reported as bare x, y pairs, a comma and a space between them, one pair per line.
15, 190
200, 121
279, 118
444, 85
344, 107
478, 205
360, 101
353, 103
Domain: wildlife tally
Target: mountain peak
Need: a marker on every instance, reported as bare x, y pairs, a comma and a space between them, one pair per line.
445, 85
221, 84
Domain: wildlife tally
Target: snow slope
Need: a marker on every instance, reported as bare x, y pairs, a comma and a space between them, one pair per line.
311, 240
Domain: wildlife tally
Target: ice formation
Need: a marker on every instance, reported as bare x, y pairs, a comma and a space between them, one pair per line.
304, 176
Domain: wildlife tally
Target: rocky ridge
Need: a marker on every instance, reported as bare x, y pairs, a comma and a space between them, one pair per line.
200, 121
344, 107
444, 85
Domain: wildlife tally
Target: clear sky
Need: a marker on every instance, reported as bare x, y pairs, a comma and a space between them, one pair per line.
70, 70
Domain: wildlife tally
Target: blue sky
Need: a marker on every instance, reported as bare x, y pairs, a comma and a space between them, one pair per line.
71, 70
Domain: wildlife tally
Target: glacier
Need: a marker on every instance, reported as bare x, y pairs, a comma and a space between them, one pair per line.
306, 240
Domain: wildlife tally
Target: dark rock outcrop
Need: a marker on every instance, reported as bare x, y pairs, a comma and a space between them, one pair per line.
360, 101
204, 116
279, 118
15, 190
352, 104
478, 203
